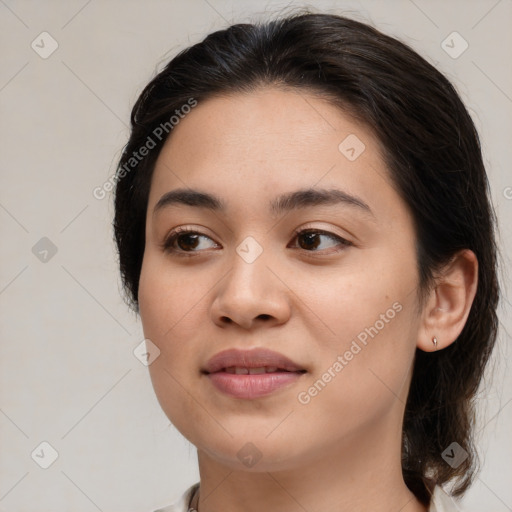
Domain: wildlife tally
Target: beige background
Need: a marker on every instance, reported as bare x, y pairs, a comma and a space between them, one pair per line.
68, 373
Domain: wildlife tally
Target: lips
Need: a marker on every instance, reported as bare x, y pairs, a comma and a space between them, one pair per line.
251, 374
256, 361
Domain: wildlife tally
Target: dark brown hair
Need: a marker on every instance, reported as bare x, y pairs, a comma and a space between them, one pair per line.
433, 153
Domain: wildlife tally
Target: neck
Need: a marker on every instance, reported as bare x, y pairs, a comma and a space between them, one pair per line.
361, 473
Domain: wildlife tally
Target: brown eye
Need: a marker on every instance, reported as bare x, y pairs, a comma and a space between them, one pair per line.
312, 239
185, 241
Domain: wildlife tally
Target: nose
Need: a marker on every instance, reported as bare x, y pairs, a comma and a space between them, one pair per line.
251, 294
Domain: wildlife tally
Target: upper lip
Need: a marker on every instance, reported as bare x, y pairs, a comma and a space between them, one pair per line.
255, 358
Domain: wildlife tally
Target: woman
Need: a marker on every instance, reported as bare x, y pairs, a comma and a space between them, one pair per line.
304, 226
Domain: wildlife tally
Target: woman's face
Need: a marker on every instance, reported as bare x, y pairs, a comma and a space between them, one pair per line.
339, 300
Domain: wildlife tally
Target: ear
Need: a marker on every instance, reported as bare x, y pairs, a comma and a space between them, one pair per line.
448, 304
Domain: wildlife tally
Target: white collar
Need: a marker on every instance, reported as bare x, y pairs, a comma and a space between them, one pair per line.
441, 501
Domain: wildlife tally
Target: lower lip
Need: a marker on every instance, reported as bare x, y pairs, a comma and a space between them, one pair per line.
252, 386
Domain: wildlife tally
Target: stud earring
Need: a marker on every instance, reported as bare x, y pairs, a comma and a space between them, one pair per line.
434, 341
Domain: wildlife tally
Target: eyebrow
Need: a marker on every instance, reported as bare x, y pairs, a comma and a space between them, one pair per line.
289, 201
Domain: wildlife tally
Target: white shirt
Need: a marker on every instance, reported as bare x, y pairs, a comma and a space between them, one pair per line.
440, 501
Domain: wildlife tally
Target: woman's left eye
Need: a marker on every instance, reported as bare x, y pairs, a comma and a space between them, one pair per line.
187, 242
311, 239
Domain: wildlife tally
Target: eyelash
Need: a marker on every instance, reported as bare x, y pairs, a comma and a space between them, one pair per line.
167, 245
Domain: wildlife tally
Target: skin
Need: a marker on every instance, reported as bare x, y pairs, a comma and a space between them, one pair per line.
341, 450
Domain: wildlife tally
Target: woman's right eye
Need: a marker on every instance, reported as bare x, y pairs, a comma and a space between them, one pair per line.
183, 241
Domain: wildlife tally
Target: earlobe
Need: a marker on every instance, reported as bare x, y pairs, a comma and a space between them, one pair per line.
449, 303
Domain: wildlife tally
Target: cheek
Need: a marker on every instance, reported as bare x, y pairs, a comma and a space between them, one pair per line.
168, 299
368, 318
169, 305
351, 298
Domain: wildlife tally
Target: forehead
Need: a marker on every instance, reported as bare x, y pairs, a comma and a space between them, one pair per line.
267, 142
266, 123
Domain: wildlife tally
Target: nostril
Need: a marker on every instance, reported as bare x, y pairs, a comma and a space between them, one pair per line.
264, 316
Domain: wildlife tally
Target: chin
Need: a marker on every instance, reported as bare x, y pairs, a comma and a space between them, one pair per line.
257, 456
